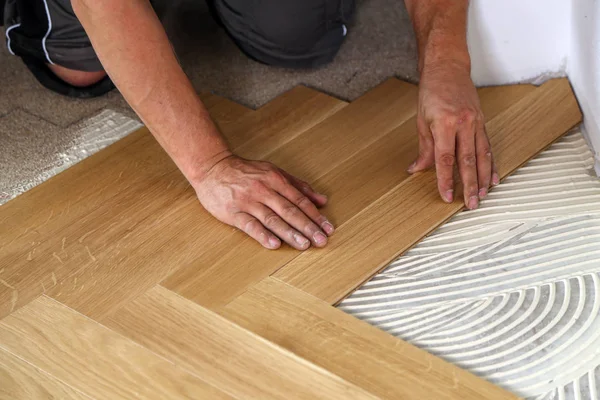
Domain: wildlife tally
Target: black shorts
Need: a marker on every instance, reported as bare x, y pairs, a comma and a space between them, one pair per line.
286, 33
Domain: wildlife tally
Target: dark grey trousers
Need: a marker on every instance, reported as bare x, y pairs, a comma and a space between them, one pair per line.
287, 33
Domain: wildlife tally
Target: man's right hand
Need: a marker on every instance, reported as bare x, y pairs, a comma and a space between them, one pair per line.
265, 202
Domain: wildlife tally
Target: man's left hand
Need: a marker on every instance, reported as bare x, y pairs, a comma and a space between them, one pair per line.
451, 130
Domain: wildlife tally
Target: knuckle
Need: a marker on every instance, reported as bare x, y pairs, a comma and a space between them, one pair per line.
257, 186
446, 160
290, 211
251, 226
469, 160
303, 202
271, 220
305, 187
311, 228
468, 115
276, 176
449, 121
446, 184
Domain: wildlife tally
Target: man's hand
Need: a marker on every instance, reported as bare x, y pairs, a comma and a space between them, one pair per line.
450, 122
265, 202
452, 131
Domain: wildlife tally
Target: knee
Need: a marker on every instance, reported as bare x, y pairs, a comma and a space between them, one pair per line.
290, 30
77, 78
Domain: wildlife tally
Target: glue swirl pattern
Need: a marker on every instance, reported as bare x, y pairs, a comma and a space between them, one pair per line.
511, 291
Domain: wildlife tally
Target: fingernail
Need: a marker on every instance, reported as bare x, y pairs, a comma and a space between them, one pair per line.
320, 238
274, 243
482, 193
473, 202
495, 179
411, 167
328, 228
449, 196
301, 240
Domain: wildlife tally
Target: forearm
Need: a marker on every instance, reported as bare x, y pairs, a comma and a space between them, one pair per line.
441, 30
136, 53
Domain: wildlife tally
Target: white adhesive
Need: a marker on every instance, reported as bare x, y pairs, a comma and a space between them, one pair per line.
511, 291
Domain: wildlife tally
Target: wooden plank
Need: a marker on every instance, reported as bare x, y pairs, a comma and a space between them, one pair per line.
99, 211
411, 210
224, 354
352, 349
132, 260
224, 111
281, 120
236, 262
37, 214
362, 179
92, 359
20, 380
133, 158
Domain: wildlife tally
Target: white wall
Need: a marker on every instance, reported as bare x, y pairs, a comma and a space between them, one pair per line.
584, 67
518, 40
533, 40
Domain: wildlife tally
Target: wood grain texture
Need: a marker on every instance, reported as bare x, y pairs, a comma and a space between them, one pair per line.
43, 231
224, 354
20, 380
352, 349
127, 256
362, 179
236, 261
92, 359
411, 210
97, 225
281, 120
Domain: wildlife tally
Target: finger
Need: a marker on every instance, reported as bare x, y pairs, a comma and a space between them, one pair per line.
484, 161
495, 175
467, 161
273, 222
295, 217
444, 136
304, 204
426, 156
253, 228
317, 198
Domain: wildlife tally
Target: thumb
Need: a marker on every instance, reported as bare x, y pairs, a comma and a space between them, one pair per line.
426, 157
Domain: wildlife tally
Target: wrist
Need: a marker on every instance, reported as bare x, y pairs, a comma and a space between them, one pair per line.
199, 169
443, 47
452, 64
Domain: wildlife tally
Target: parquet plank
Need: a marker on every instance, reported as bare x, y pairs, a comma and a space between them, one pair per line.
20, 380
281, 120
133, 158
132, 260
362, 179
93, 359
224, 354
96, 209
373, 238
224, 111
237, 262
352, 349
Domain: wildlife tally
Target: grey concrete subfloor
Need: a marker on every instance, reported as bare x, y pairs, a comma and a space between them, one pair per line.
36, 124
